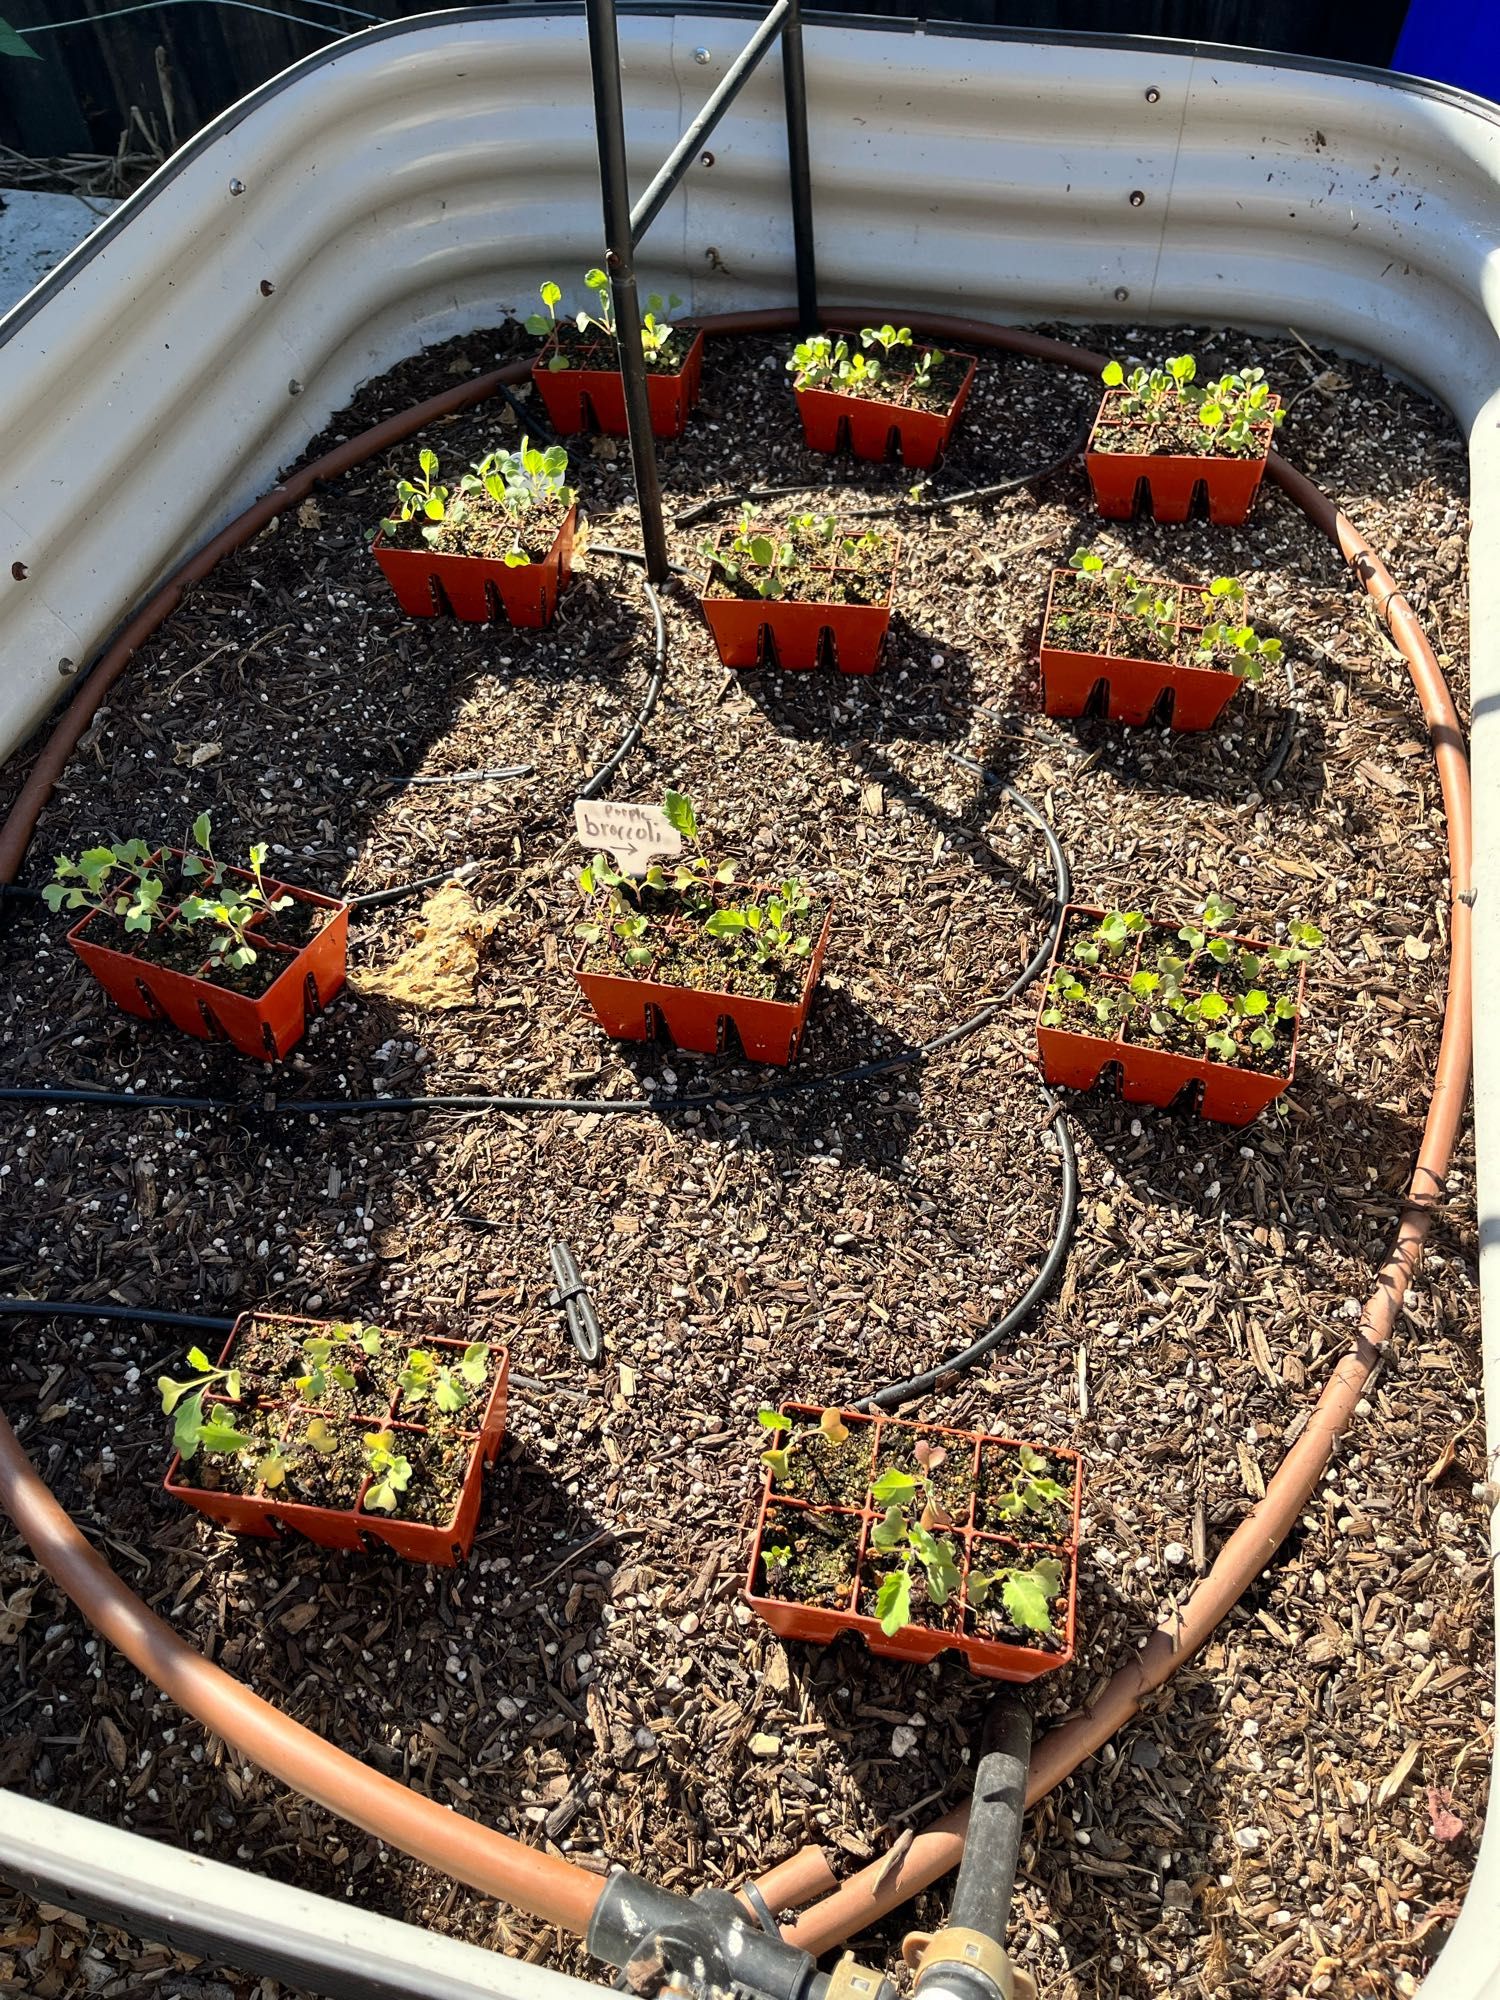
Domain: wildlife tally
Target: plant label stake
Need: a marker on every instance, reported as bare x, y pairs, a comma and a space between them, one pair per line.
633, 834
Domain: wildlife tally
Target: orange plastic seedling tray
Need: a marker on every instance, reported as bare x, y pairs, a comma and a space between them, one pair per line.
1171, 479
1075, 1060
353, 1527
264, 1026
875, 428
585, 397
1199, 695
630, 1009
480, 589
993, 1659
798, 636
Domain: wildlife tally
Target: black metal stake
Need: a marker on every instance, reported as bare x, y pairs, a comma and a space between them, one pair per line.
619, 261
623, 229
794, 83
683, 154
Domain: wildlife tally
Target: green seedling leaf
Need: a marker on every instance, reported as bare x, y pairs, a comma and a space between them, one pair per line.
680, 814
889, 1532
893, 1602
216, 1434
893, 1486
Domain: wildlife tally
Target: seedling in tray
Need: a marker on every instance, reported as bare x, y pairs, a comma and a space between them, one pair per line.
921, 1539
503, 543
882, 393
577, 373
1175, 1006
684, 947
1144, 641
798, 595
346, 1433
174, 934
1162, 427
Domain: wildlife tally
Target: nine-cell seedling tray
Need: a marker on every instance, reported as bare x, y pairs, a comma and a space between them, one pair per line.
885, 1441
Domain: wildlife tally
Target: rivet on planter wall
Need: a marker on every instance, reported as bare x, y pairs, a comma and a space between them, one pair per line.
18, 571
1137, 198
1153, 95
236, 187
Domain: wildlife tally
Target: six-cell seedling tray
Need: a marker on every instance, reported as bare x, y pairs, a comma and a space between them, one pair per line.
480, 589
632, 1008
589, 394
883, 1441
799, 635
1074, 1058
354, 1527
1170, 480
875, 429
1133, 687
264, 1026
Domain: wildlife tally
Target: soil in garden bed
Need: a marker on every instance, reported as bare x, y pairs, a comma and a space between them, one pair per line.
828, 1474
821, 1551
316, 1477
807, 1246
895, 385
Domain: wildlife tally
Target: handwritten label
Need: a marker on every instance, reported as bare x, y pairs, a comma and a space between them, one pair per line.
634, 835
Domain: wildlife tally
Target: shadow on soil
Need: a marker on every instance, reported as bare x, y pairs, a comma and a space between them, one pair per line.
788, 1114
908, 698
1290, 1162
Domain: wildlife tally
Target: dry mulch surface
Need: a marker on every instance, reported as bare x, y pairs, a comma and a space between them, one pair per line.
1297, 1812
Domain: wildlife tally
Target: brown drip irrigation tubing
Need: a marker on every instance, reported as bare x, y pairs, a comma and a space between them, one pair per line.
490, 1861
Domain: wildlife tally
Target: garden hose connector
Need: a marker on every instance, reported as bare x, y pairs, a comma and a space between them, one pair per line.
673, 1947
849, 1980
958, 1964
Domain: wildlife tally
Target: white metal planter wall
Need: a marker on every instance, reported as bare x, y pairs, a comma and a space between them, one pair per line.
419, 181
